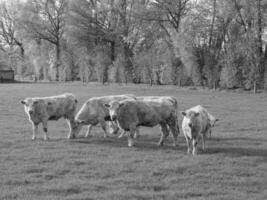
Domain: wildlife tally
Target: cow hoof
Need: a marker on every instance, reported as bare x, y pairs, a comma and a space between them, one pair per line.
33, 138
160, 144
130, 144
70, 137
46, 139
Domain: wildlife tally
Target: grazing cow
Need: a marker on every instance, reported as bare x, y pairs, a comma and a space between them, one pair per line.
42, 109
130, 114
94, 111
197, 122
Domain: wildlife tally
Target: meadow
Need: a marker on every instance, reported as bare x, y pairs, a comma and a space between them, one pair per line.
234, 166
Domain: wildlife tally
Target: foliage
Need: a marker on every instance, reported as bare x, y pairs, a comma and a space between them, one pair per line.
207, 42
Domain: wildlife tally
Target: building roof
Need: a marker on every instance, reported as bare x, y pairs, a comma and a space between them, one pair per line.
5, 67
6, 70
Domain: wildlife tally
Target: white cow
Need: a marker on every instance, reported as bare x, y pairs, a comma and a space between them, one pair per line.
94, 112
113, 126
131, 114
196, 124
43, 109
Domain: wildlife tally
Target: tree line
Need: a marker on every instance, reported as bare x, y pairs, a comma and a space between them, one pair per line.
181, 42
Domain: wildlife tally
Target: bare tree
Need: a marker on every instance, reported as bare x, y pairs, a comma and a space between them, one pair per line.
8, 27
44, 20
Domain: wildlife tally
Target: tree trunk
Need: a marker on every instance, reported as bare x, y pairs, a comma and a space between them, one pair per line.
212, 22
57, 64
255, 87
112, 51
261, 58
126, 50
259, 28
214, 85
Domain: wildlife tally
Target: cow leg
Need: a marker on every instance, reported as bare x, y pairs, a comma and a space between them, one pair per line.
137, 133
130, 137
122, 134
89, 128
188, 142
164, 134
104, 127
195, 140
209, 131
71, 125
203, 138
34, 130
45, 129
173, 127
113, 127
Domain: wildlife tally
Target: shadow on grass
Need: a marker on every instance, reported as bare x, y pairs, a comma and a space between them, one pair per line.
234, 139
148, 143
237, 151
141, 143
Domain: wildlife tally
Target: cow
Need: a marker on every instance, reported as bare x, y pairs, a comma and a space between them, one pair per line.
196, 124
43, 109
94, 112
130, 114
212, 120
113, 126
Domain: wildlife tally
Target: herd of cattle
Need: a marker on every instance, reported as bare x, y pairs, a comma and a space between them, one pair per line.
124, 113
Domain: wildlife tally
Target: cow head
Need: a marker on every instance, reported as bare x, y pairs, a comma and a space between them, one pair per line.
113, 108
76, 128
31, 106
113, 127
213, 121
192, 118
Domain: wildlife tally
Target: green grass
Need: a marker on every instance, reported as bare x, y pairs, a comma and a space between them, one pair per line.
233, 167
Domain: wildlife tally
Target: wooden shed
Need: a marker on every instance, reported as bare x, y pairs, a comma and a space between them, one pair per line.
6, 73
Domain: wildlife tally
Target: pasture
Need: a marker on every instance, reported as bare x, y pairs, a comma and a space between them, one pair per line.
234, 166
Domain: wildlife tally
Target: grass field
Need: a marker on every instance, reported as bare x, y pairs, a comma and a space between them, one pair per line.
233, 167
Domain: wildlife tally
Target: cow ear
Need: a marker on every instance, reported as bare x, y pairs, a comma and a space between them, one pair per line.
23, 102
121, 104
106, 105
216, 120
183, 113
